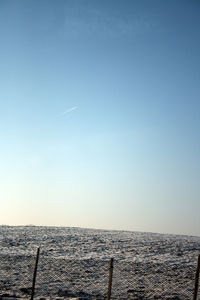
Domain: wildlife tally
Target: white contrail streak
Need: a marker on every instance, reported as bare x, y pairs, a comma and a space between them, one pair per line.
68, 110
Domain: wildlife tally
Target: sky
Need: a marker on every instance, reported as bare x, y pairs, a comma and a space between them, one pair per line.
100, 114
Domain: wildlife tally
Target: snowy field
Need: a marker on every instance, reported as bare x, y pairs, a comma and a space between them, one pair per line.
74, 263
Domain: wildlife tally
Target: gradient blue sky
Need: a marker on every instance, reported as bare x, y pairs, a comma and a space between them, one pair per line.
100, 114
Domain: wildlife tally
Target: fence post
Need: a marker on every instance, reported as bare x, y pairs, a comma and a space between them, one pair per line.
35, 273
110, 279
197, 279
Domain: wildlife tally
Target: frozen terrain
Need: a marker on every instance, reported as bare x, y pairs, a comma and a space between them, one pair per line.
74, 262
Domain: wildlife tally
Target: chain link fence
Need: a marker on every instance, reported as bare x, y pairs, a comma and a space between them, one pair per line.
153, 281
16, 274
59, 278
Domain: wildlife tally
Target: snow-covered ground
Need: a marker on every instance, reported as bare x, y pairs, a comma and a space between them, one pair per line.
74, 262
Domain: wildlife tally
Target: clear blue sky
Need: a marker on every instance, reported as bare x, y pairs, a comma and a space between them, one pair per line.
100, 114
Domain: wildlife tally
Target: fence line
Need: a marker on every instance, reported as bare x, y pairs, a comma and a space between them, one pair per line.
129, 277
197, 279
110, 279
35, 273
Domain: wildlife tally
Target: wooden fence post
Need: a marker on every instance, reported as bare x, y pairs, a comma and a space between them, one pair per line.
110, 279
197, 279
35, 273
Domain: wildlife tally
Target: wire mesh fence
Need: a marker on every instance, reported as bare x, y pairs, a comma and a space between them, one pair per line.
69, 278
60, 278
153, 281
16, 273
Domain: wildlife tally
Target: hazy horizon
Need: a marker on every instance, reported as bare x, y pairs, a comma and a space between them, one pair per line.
100, 114
99, 229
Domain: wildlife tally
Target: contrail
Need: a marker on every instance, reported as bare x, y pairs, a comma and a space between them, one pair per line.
68, 110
